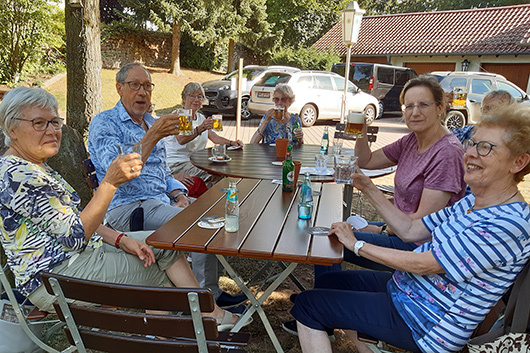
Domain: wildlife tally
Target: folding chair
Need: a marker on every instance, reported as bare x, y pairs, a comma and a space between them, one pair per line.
31, 322
99, 328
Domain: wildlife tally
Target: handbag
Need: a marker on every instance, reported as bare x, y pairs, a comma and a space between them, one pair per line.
512, 336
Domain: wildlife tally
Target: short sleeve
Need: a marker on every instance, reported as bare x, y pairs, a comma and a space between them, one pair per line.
446, 170
393, 151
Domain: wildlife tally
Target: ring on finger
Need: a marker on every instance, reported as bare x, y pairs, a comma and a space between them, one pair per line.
132, 169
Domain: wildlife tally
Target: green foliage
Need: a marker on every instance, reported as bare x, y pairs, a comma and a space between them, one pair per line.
305, 58
31, 38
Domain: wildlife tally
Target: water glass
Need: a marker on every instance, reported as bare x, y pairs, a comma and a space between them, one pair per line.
344, 168
217, 122
337, 146
126, 148
219, 152
321, 163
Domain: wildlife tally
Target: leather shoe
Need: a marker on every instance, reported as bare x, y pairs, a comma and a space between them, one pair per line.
226, 300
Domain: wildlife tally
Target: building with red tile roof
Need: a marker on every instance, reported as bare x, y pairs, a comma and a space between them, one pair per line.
495, 39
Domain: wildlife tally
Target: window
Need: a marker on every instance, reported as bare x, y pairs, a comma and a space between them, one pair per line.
480, 86
516, 94
402, 76
458, 82
272, 79
306, 81
385, 75
323, 82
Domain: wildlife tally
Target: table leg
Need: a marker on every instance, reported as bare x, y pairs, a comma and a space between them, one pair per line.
256, 302
348, 195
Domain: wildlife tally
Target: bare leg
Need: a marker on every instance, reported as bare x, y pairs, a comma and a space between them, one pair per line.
181, 275
361, 346
312, 340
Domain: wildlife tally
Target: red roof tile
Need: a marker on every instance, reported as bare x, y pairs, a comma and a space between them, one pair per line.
494, 30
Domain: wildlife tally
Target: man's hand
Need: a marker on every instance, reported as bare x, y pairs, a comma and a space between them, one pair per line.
139, 249
182, 201
184, 178
344, 233
164, 126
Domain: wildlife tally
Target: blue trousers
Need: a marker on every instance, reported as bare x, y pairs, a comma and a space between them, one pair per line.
354, 300
387, 241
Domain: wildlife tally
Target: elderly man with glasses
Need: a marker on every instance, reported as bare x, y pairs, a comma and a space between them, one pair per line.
153, 198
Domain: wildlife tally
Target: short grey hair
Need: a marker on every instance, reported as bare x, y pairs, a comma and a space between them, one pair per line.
501, 95
190, 88
17, 100
285, 90
121, 75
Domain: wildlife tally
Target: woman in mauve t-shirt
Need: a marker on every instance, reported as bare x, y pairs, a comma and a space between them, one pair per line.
430, 168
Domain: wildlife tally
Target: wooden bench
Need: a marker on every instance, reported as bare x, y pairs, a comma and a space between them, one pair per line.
130, 329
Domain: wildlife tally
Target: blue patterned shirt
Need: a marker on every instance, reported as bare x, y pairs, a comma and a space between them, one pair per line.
40, 223
275, 130
481, 253
114, 126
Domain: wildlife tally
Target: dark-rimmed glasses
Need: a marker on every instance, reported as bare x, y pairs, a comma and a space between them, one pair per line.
135, 86
41, 124
421, 106
483, 147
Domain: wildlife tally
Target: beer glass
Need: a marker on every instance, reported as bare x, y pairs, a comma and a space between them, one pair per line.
186, 126
278, 112
354, 125
217, 122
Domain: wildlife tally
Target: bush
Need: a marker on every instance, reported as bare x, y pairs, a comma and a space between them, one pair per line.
305, 58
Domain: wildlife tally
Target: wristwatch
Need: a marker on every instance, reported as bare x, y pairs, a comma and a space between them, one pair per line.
181, 192
383, 230
358, 245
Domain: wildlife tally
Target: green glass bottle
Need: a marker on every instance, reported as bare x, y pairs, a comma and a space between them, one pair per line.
288, 171
296, 126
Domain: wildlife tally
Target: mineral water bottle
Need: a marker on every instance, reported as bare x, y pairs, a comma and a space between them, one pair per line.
324, 144
232, 209
288, 171
305, 199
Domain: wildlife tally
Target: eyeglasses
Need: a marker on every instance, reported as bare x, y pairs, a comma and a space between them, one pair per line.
283, 99
41, 124
200, 96
135, 86
483, 147
421, 106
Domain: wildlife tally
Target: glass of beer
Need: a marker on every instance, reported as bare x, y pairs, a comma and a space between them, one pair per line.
217, 122
354, 125
186, 127
278, 112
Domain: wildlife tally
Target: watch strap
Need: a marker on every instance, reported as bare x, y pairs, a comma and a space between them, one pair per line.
358, 245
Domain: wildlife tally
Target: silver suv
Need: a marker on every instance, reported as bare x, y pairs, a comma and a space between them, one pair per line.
222, 94
318, 95
469, 88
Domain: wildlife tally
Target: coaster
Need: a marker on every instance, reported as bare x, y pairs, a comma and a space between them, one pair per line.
207, 225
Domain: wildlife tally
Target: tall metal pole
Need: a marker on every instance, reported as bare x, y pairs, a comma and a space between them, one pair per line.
239, 96
344, 108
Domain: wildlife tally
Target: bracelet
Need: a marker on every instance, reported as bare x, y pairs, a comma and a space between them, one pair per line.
229, 142
197, 130
259, 132
118, 238
383, 230
181, 192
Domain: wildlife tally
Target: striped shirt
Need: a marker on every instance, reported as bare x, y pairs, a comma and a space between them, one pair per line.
40, 224
481, 253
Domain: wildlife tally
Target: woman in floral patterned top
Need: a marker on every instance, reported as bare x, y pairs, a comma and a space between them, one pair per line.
43, 227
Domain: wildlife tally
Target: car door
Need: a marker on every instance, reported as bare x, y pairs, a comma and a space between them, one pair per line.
325, 97
515, 91
355, 101
479, 87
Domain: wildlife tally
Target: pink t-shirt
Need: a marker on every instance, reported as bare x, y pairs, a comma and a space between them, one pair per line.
441, 167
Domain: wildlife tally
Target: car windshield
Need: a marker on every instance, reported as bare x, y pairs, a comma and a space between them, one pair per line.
249, 73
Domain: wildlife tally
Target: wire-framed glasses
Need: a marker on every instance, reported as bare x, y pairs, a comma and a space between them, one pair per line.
41, 124
483, 147
421, 106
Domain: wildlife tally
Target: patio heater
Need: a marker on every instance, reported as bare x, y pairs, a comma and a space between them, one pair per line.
351, 24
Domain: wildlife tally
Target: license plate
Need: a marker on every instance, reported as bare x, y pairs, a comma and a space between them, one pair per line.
212, 102
263, 94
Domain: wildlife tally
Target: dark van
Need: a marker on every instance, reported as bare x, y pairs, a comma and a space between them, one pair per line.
384, 82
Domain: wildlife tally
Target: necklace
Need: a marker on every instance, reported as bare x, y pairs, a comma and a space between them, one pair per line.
508, 199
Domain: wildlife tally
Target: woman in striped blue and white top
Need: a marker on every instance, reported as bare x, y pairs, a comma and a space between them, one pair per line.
443, 289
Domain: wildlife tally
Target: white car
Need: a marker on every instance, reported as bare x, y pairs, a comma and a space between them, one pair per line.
318, 95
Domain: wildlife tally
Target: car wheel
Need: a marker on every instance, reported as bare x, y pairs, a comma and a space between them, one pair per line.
454, 120
381, 109
245, 113
370, 114
308, 115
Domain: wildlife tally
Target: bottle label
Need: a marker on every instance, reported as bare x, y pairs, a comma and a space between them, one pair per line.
232, 195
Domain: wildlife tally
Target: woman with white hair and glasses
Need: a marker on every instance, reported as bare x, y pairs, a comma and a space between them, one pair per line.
278, 122
180, 147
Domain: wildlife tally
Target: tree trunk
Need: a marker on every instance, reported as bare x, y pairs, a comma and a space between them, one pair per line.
230, 55
175, 51
83, 65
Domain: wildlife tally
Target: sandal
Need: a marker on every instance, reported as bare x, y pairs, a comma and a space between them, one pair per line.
225, 323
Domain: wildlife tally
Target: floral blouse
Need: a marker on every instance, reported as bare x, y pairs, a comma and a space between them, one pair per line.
40, 224
276, 130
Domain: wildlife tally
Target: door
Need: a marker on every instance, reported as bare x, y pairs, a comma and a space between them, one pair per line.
325, 97
478, 89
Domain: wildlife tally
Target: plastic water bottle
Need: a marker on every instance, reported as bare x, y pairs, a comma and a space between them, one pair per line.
232, 208
324, 144
305, 199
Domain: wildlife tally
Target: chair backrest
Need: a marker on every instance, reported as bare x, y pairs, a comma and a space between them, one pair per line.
134, 331
371, 133
90, 171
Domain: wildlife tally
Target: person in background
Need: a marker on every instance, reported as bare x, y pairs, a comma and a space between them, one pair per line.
279, 123
492, 100
154, 192
442, 290
180, 147
45, 229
